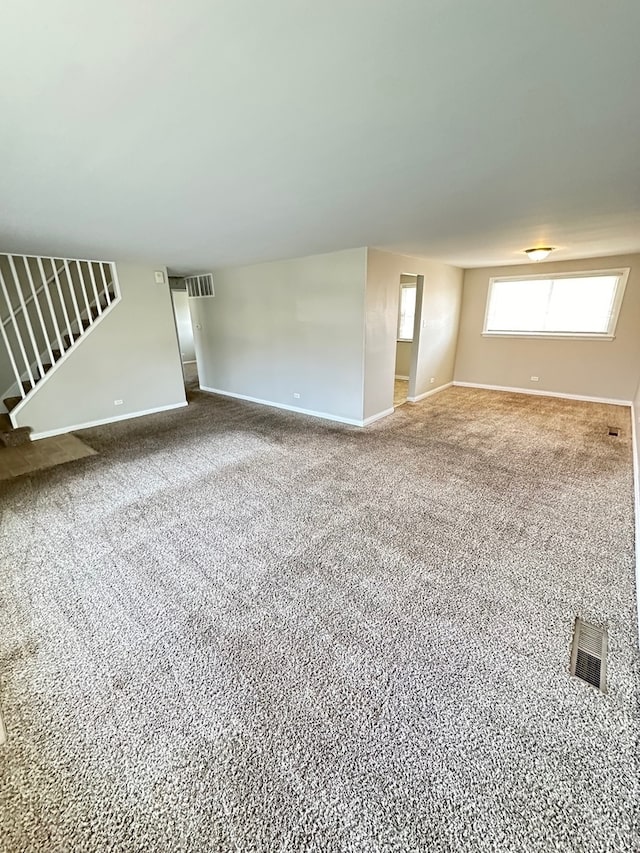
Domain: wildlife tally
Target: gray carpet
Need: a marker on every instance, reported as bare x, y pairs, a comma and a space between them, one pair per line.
237, 629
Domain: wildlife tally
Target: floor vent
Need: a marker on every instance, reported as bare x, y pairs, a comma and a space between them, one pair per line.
589, 654
615, 431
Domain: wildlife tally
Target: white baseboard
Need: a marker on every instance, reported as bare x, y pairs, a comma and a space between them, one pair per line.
51, 432
537, 393
324, 415
397, 376
433, 391
635, 449
377, 417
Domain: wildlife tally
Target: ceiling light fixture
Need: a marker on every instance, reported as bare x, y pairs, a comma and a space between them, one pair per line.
539, 253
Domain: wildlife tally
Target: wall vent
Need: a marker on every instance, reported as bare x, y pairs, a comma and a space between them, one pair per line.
199, 285
589, 654
615, 431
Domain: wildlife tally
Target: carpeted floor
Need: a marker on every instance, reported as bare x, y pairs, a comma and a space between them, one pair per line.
238, 629
44, 453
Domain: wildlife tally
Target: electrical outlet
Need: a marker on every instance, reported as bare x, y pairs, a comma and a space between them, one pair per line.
432, 380
535, 378
117, 402
296, 395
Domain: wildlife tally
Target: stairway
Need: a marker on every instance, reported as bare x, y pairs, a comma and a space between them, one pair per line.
47, 307
11, 436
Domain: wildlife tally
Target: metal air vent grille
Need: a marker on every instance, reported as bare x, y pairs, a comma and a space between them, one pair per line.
589, 654
199, 285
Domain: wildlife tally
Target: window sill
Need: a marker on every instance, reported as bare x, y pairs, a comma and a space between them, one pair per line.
549, 336
404, 340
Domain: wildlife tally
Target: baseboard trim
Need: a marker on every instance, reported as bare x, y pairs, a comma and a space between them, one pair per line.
397, 376
377, 417
51, 432
536, 393
426, 394
323, 415
635, 449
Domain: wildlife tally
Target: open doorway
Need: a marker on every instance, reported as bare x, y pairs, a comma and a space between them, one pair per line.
184, 330
406, 338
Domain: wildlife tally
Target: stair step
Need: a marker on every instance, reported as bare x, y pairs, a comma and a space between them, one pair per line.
5, 423
15, 437
11, 402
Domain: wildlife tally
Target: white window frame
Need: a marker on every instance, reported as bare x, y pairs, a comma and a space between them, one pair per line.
410, 285
609, 335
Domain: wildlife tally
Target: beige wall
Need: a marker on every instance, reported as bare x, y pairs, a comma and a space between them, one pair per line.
288, 327
131, 355
601, 369
438, 315
403, 357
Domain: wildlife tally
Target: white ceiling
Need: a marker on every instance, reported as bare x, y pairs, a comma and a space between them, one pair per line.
202, 133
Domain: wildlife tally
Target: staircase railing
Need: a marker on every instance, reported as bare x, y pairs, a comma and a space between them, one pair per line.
6, 320
46, 306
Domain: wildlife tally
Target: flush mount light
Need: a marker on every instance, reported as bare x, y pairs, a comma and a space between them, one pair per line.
539, 253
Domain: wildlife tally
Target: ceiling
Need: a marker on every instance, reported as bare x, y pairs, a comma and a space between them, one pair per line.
213, 132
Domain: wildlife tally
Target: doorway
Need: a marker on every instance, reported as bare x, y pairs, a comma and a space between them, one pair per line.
184, 329
406, 338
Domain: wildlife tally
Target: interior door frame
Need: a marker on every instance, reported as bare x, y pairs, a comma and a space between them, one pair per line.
418, 325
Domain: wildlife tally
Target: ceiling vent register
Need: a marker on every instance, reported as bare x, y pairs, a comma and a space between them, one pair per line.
199, 285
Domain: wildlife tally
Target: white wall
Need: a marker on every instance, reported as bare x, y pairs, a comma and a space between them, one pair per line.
636, 412
7, 377
438, 313
131, 355
183, 324
636, 483
276, 329
439, 318
601, 369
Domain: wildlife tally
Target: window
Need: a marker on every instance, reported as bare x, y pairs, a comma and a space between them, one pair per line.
573, 305
407, 311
